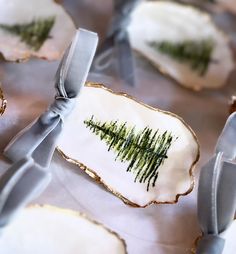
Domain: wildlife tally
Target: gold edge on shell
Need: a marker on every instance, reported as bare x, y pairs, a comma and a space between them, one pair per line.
195, 244
210, 21
232, 104
79, 215
98, 179
3, 103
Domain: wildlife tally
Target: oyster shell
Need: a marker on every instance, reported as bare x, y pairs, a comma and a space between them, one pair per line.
48, 230
17, 13
81, 146
175, 23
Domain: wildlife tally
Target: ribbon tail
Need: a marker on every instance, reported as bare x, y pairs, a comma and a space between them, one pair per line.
26, 141
11, 177
118, 39
106, 45
226, 141
226, 196
125, 58
207, 195
210, 244
216, 203
44, 152
22, 183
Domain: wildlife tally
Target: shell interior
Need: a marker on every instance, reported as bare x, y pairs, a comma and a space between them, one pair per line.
50, 230
102, 159
24, 22
158, 22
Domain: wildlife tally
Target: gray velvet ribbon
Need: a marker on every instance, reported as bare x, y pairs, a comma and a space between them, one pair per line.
32, 149
217, 192
117, 39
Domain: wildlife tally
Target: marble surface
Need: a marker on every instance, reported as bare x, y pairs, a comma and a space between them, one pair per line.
158, 229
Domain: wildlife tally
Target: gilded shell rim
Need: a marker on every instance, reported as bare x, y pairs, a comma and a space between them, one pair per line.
3, 103
78, 214
98, 179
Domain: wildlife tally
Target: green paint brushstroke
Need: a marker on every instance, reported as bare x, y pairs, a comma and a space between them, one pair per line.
145, 150
195, 53
34, 33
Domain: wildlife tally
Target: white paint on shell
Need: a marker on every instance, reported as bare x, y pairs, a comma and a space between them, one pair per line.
25, 11
79, 143
158, 21
48, 230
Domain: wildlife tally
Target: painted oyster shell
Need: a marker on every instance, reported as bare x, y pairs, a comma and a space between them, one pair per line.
18, 12
50, 230
167, 21
80, 146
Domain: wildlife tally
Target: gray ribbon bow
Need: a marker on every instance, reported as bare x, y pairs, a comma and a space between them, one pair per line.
32, 149
217, 191
118, 39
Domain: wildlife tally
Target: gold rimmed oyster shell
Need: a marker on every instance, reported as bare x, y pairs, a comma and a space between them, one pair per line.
47, 229
81, 147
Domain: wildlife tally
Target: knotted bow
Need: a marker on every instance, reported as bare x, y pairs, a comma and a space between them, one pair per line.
32, 149
118, 39
217, 192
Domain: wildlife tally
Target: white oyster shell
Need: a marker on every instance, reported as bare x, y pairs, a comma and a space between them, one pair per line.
50, 230
158, 21
79, 145
25, 11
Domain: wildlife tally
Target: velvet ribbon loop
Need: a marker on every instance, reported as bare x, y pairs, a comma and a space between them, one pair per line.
217, 192
117, 41
31, 150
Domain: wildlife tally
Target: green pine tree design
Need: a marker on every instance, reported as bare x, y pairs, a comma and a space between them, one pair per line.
195, 53
145, 150
34, 33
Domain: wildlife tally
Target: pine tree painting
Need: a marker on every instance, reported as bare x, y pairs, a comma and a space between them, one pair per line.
145, 150
195, 53
34, 33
